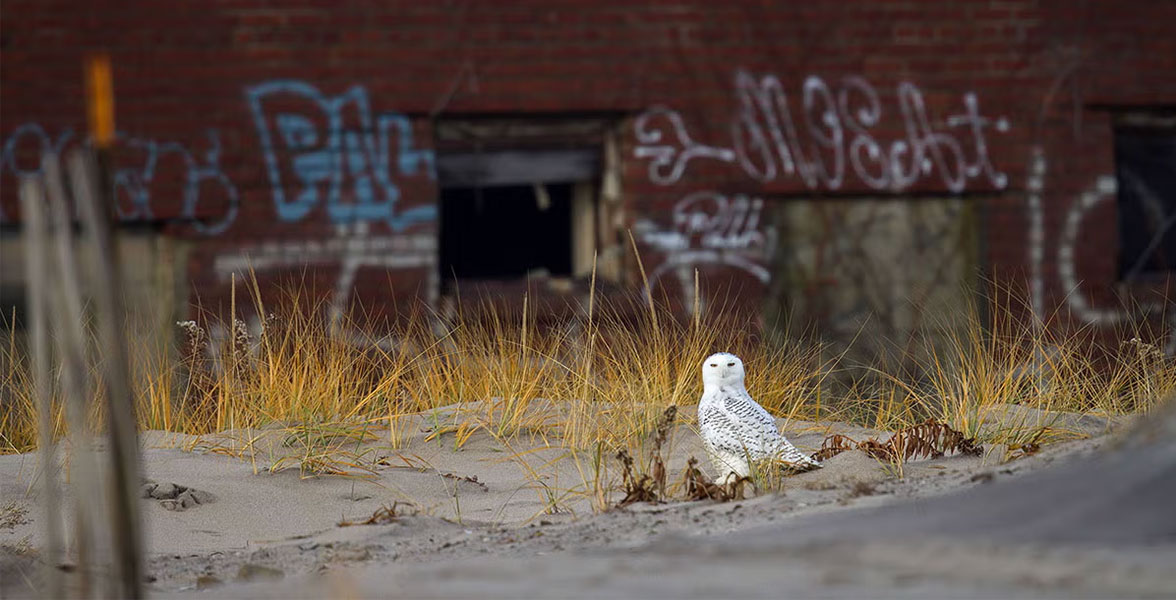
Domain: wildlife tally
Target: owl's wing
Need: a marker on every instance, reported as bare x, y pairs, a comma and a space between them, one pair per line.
739, 425
776, 445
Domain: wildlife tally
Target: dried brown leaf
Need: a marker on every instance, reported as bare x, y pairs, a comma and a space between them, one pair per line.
929, 439
697, 487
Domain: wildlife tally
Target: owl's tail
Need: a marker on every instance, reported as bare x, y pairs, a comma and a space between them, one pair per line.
795, 460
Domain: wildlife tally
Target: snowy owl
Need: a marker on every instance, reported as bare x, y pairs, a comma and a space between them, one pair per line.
734, 427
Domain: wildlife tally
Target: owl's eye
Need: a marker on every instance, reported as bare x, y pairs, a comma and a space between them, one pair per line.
730, 364
714, 365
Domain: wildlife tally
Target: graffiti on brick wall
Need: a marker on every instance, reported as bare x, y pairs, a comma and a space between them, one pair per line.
1104, 188
317, 149
141, 166
330, 159
710, 229
828, 135
1034, 186
337, 154
352, 249
334, 151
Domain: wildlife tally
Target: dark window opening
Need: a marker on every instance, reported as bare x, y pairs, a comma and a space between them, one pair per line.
1145, 172
505, 232
519, 197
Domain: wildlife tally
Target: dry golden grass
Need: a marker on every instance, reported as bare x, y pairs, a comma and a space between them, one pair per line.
593, 386
1011, 384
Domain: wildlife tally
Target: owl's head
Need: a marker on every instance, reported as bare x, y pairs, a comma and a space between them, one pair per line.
722, 368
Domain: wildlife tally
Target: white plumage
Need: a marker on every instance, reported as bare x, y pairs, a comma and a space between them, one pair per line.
734, 427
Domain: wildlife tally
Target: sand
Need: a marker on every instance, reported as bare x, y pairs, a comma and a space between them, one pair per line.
490, 521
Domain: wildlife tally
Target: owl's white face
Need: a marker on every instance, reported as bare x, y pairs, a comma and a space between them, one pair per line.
722, 369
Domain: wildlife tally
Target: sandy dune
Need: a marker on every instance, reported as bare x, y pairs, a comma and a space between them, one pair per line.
487, 520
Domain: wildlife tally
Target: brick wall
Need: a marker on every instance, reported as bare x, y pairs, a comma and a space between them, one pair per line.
299, 134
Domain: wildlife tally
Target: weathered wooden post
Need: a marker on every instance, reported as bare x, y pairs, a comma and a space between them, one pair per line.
123, 479
37, 249
89, 174
65, 302
105, 528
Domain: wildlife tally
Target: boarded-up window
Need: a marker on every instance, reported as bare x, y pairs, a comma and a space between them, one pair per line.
877, 278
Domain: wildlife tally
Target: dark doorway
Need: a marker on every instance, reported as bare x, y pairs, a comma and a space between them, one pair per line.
503, 232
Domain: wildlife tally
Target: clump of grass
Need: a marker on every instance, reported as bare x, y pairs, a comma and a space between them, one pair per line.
18, 419
601, 383
1006, 382
326, 449
769, 475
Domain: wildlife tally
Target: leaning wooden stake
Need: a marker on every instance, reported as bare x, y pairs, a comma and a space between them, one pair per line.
93, 190
124, 473
36, 250
65, 301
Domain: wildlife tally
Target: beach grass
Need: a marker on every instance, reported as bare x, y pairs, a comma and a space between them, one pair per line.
594, 385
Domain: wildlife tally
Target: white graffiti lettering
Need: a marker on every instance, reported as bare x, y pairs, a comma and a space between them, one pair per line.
711, 229
1035, 185
670, 159
1104, 189
831, 139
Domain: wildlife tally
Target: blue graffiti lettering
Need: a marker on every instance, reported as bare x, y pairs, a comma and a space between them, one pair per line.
43, 143
134, 182
343, 164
